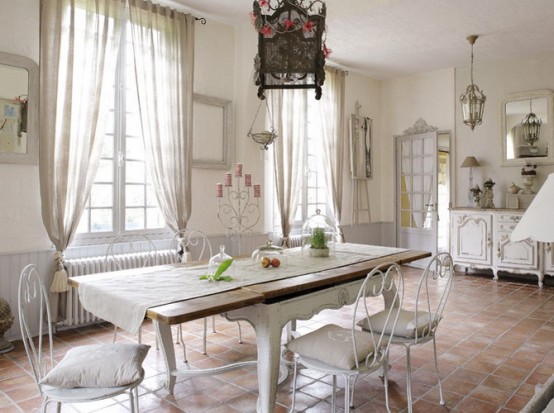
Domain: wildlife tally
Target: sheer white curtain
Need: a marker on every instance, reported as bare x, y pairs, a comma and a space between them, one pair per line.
287, 108
79, 42
333, 139
163, 44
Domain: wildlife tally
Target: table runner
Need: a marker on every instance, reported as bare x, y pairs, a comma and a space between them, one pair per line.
122, 297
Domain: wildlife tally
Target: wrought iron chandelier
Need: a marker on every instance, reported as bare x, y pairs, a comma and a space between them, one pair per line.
473, 100
531, 128
291, 45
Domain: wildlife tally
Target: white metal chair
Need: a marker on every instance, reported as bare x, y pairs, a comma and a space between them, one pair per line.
86, 373
419, 326
124, 252
193, 245
350, 352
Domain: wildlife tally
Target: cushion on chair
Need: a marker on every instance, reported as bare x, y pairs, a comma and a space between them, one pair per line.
405, 327
98, 365
332, 345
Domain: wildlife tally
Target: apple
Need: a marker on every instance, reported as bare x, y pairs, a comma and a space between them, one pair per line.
275, 262
266, 262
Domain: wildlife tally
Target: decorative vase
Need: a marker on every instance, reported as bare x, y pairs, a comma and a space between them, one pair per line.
319, 252
528, 181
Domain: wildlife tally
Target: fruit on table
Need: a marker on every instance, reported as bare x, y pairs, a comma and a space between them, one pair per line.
275, 262
266, 262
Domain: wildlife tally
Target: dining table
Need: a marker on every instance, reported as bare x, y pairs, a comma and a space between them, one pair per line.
267, 298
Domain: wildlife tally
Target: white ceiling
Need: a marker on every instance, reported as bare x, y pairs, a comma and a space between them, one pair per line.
390, 38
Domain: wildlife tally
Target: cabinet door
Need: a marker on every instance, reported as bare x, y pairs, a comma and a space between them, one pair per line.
472, 238
522, 254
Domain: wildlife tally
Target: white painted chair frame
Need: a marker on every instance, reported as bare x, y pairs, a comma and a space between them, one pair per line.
33, 297
380, 281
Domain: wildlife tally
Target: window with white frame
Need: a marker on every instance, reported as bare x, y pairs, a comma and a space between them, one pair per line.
122, 198
313, 191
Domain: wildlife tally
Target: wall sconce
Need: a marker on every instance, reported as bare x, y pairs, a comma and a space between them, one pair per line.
291, 45
531, 129
473, 100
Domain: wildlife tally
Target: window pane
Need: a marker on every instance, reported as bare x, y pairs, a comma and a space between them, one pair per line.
135, 148
134, 195
101, 220
151, 199
133, 124
101, 195
83, 223
134, 219
134, 172
108, 147
312, 195
104, 173
110, 122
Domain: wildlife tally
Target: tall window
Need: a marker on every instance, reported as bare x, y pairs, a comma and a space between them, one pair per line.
122, 198
314, 194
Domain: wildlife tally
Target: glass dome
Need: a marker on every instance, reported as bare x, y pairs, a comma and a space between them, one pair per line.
269, 256
319, 235
216, 261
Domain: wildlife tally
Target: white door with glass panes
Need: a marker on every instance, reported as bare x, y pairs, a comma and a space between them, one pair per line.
416, 193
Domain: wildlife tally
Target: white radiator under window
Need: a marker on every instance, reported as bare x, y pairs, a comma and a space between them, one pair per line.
76, 315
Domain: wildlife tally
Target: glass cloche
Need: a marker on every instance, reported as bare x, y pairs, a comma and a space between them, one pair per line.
216, 261
319, 235
269, 256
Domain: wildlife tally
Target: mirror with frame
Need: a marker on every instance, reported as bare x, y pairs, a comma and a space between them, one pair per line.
18, 109
527, 128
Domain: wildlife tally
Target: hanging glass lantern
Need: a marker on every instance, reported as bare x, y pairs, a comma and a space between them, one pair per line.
473, 100
531, 125
291, 45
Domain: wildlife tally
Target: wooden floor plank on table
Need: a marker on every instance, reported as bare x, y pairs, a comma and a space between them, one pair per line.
195, 308
275, 290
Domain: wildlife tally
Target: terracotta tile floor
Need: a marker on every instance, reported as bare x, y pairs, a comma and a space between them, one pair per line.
496, 343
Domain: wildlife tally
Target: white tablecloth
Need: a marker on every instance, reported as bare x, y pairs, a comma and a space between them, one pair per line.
122, 297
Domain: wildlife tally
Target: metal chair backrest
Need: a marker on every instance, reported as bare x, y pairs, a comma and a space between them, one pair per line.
32, 306
138, 249
386, 279
432, 294
191, 245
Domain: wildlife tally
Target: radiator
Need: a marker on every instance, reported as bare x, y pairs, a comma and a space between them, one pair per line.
295, 241
76, 315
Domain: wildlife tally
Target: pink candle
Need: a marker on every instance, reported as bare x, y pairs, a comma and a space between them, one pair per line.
228, 178
256, 190
219, 190
247, 179
238, 169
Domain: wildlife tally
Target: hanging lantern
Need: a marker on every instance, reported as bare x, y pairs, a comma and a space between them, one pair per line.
473, 100
291, 45
531, 125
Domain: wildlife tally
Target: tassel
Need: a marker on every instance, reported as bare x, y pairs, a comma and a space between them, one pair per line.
59, 284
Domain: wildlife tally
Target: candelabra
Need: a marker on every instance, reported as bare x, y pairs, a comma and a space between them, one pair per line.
239, 210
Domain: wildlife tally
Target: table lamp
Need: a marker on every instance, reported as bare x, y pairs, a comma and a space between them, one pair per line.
470, 162
537, 222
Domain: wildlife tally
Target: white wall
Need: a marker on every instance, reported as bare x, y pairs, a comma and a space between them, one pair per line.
497, 80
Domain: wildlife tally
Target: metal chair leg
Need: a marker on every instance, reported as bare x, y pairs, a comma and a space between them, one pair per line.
442, 402
409, 379
240, 332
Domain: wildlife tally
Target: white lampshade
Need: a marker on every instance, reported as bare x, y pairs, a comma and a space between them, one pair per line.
537, 222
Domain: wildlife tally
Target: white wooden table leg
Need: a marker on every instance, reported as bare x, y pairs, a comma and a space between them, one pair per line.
268, 333
163, 332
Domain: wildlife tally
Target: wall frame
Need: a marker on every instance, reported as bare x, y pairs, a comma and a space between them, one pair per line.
19, 137
212, 132
361, 150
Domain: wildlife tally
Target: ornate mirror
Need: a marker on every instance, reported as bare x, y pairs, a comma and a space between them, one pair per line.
527, 130
18, 109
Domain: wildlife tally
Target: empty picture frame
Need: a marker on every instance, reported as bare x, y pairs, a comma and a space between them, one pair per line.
361, 151
212, 132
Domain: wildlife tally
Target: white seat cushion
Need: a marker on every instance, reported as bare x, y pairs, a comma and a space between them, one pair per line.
405, 327
332, 345
98, 365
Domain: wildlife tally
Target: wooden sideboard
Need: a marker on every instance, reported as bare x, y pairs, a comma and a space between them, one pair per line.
480, 238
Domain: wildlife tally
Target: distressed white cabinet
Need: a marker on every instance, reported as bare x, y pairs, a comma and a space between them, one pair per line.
481, 239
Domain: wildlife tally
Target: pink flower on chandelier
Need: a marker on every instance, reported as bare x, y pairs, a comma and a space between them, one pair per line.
288, 24
263, 3
326, 51
308, 26
266, 30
